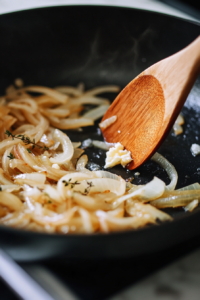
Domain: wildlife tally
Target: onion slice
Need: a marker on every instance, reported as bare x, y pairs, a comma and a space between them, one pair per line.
169, 168
38, 177
70, 178
68, 149
9, 200
150, 191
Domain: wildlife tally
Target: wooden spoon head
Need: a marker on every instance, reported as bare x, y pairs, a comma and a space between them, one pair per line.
140, 109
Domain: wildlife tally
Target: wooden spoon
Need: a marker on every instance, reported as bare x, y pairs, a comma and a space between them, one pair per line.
148, 106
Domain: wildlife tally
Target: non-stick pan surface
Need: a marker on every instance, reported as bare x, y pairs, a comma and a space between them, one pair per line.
101, 45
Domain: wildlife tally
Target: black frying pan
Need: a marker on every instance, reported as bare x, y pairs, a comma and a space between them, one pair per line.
101, 45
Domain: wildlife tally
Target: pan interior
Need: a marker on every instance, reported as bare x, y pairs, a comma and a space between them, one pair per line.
102, 45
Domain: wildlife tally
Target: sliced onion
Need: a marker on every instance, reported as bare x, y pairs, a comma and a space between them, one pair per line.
192, 205
81, 163
102, 185
111, 223
47, 91
96, 113
90, 203
69, 90
176, 199
106, 174
150, 191
133, 208
100, 145
87, 224
53, 193
70, 123
194, 186
10, 187
56, 219
102, 89
76, 144
11, 201
34, 192
68, 149
4, 179
38, 177
169, 168
62, 189
30, 182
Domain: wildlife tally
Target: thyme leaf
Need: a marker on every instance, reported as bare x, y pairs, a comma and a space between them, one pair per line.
26, 140
11, 156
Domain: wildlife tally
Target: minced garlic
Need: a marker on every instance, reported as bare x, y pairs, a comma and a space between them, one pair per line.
106, 123
117, 155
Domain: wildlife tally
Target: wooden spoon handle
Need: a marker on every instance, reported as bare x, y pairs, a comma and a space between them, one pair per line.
177, 75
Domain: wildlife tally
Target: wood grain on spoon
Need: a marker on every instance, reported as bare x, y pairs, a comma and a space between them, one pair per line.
148, 106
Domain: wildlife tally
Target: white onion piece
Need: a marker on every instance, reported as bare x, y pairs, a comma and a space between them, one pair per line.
10, 187
11, 201
194, 186
47, 91
31, 192
106, 174
55, 146
38, 177
81, 163
100, 145
53, 193
87, 224
96, 113
192, 205
62, 189
68, 149
169, 168
175, 200
150, 191
76, 144
102, 89
102, 185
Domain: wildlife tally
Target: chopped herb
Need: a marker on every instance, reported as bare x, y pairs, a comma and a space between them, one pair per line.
29, 151
11, 156
87, 190
66, 183
26, 140
49, 201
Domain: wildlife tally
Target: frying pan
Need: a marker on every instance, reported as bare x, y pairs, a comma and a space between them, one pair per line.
101, 45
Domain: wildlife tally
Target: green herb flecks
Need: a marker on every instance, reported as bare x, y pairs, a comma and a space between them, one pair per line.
26, 140
66, 183
11, 156
87, 190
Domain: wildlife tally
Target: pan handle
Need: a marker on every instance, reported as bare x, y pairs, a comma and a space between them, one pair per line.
19, 281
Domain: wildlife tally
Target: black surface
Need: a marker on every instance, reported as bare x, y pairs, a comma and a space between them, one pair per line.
102, 280
101, 45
